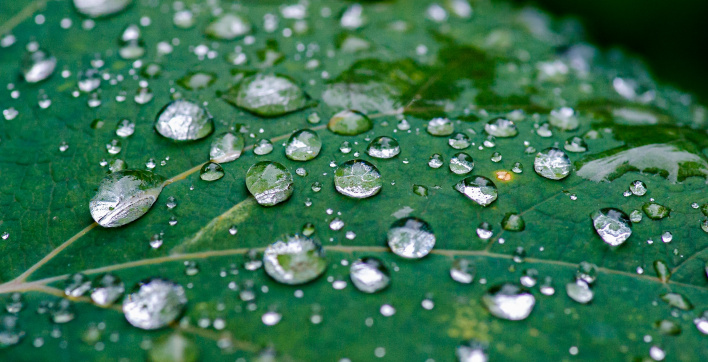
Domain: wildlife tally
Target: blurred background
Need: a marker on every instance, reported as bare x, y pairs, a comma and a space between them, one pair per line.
671, 36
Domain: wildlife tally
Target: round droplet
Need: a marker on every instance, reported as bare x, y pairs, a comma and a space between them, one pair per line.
296, 260
345, 147
154, 303
459, 141
575, 144
269, 182
509, 301
586, 272
228, 26
369, 275
473, 351
263, 147
461, 164
436, 160
125, 128
463, 271
564, 118
383, 147
38, 66
197, 80
579, 291
226, 147
552, 163
501, 127
638, 188
358, 179
100, 8
478, 189
303, 145
106, 289
613, 225
350, 123
440, 127
411, 238
267, 95
183, 120
211, 171
513, 222
124, 196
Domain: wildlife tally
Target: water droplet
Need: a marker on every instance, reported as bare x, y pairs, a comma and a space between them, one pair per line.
358, 179
580, 291
420, 190
100, 8
702, 323
462, 271
124, 196
461, 163
509, 301
226, 147
613, 225
228, 26
655, 211
552, 163
345, 147
667, 237
473, 351
349, 123
156, 241
383, 147
269, 182
564, 118
76, 285
106, 289
501, 127
197, 80
125, 128
484, 231
677, 300
183, 120
336, 224
63, 312
459, 141
263, 147
38, 66
154, 303
211, 171
174, 347
143, 95
436, 161
171, 202
667, 327
369, 275
10, 331
635, 216
478, 189
271, 318
296, 260
114, 147
440, 127
575, 144
267, 95
586, 272
303, 145
411, 238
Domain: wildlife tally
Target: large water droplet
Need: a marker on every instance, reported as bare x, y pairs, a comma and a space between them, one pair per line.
478, 189
349, 123
100, 8
383, 147
509, 301
267, 95
125, 196
303, 145
295, 260
552, 163
358, 179
228, 26
613, 225
461, 163
411, 238
38, 66
501, 127
154, 303
183, 120
226, 147
269, 182
369, 275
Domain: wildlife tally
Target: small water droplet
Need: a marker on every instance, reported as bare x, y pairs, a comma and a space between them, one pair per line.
369, 275
154, 303
509, 301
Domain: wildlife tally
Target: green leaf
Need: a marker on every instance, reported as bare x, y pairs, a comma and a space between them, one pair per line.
400, 67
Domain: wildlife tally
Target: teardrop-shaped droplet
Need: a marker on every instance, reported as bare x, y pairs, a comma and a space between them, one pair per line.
383, 147
303, 145
106, 289
295, 260
211, 171
183, 120
440, 127
552, 163
663, 272
369, 275
124, 196
655, 211
613, 225
501, 127
509, 301
461, 163
350, 123
677, 300
269, 182
358, 179
38, 66
411, 238
100, 8
226, 147
174, 347
267, 95
478, 189
154, 303
228, 26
